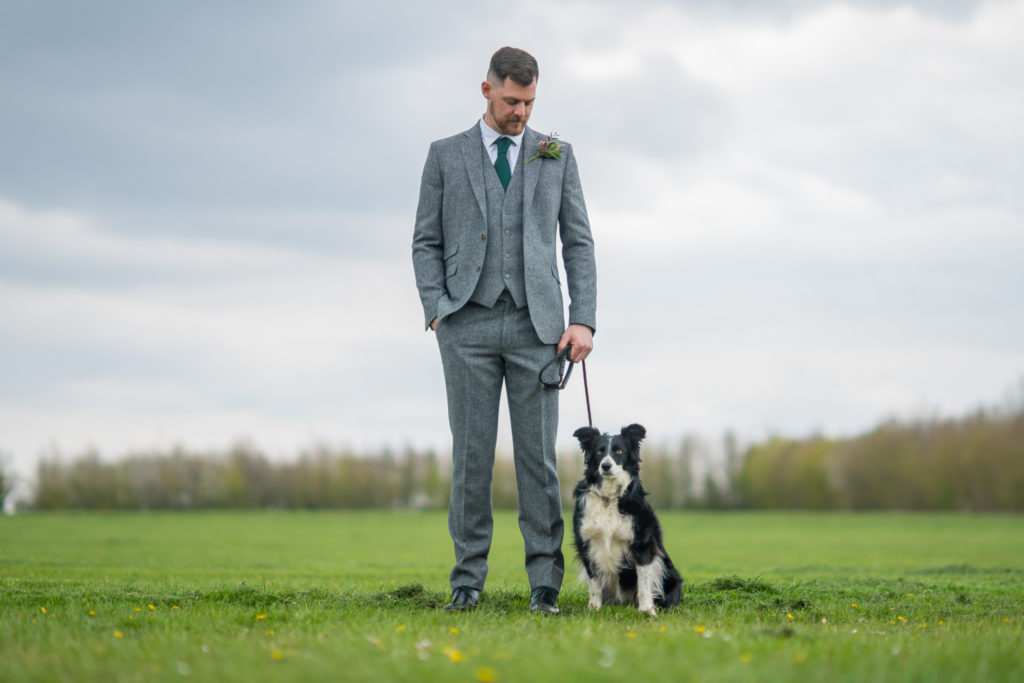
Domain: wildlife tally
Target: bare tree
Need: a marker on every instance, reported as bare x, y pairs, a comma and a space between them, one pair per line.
7, 478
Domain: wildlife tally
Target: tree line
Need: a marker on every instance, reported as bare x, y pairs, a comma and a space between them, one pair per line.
974, 463
970, 464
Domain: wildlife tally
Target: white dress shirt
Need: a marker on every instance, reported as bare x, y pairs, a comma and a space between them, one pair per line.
490, 137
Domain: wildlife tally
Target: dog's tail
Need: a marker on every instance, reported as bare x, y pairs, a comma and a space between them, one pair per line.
672, 586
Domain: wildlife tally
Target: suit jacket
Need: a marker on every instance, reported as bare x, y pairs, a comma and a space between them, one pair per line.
447, 251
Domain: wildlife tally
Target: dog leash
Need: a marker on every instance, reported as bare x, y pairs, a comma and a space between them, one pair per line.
586, 393
563, 379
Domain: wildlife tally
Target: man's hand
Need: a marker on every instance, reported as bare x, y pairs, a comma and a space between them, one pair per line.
433, 325
582, 340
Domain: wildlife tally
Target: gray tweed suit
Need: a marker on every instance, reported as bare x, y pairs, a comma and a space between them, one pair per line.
485, 263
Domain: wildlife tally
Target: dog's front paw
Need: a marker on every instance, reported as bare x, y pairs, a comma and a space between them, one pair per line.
650, 610
596, 593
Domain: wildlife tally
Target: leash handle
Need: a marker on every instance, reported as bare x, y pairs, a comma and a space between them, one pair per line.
560, 358
564, 379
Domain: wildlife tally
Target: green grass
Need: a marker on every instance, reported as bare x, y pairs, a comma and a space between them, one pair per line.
357, 596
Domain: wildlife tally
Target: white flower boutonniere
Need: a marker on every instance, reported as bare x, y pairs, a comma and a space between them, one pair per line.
548, 149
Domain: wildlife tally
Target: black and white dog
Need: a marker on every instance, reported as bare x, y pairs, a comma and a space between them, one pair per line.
618, 538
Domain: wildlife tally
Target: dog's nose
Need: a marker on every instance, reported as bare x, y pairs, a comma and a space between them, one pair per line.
606, 466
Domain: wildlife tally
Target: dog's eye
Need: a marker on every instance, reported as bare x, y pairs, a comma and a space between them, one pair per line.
600, 451
618, 451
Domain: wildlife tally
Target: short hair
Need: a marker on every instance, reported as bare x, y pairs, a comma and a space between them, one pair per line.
511, 62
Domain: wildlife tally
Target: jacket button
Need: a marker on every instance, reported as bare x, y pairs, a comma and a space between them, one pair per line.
478, 269
483, 237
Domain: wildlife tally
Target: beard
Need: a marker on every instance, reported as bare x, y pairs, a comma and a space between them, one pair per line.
511, 125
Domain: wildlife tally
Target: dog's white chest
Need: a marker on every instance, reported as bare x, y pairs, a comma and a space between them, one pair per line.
607, 531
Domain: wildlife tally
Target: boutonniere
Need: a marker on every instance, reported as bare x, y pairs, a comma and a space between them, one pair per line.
548, 149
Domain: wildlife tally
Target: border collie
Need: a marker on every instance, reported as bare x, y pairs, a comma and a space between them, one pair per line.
618, 538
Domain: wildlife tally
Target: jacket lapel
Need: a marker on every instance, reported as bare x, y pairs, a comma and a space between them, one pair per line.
472, 154
531, 171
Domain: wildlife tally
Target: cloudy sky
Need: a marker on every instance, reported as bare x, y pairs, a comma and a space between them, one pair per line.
808, 215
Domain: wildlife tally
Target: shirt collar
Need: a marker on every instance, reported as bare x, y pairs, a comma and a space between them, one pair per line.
491, 136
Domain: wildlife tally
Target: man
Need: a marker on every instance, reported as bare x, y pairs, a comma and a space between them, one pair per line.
484, 255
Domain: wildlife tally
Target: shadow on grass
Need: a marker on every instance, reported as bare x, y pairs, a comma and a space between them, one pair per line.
732, 592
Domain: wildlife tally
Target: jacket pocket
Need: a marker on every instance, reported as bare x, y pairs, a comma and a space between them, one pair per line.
450, 269
452, 251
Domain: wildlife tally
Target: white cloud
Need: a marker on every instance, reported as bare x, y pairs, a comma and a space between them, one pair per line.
203, 329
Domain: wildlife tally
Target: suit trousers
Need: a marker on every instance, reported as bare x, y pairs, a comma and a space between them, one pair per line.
482, 348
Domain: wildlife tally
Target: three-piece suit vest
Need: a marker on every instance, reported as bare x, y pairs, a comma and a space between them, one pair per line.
503, 258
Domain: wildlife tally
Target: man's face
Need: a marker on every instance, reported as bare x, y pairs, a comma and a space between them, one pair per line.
508, 105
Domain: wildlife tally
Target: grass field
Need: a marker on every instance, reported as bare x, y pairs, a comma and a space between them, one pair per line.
357, 596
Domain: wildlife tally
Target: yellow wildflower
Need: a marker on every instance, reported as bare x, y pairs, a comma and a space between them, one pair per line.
486, 674
118, 634
276, 655
452, 653
261, 617
152, 608
700, 629
454, 631
399, 629
43, 610
746, 657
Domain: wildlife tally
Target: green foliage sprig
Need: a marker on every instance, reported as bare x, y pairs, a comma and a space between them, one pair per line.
548, 149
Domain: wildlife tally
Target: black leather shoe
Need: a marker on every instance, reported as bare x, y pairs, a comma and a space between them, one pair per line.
544, 599
463, 598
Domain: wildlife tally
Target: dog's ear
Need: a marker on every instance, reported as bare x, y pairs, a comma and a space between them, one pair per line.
586, 436
635, 433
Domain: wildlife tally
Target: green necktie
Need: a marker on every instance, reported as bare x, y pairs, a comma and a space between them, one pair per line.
501, 163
